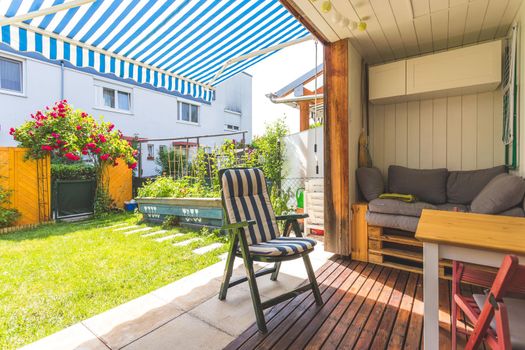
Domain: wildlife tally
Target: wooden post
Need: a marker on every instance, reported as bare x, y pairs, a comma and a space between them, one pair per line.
304, 114
336, 134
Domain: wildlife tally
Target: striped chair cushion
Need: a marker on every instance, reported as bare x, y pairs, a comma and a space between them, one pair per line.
282, 246
246, 197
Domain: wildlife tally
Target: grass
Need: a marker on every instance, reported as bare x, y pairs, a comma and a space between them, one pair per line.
57, 275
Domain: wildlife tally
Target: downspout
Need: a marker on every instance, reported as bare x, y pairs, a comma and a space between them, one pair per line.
61, 80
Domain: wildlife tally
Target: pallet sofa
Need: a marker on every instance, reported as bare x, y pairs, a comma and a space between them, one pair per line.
383, 229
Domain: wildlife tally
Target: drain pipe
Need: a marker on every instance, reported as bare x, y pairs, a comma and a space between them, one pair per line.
61, 80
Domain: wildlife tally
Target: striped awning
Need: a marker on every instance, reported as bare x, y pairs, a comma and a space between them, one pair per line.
178, 45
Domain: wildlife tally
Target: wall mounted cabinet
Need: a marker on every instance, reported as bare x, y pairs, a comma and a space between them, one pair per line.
460, 71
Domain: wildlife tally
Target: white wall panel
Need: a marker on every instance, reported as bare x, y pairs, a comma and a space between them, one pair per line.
459, 133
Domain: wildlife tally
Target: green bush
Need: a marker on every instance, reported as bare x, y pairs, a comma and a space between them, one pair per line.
7, 216
79, 171
181, 188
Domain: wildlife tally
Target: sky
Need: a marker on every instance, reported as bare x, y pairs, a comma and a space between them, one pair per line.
275, 72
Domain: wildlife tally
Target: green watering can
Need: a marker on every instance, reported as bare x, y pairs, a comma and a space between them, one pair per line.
299, 196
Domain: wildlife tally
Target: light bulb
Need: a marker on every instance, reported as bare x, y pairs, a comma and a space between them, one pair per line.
326, 6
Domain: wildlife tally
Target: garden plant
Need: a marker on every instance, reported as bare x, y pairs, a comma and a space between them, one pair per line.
62, 132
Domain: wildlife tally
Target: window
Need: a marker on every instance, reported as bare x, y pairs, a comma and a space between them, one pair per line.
162, 149
231, 127
113, 98
188, 112
11, 75
151, 152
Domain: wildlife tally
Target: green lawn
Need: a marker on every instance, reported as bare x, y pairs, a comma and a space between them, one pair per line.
56, 275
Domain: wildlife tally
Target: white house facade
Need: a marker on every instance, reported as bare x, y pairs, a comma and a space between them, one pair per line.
29, 83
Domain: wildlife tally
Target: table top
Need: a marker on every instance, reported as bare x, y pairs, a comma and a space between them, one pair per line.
487, 232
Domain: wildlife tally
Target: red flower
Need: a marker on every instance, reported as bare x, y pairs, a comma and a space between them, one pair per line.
97, 150
105, 156
12, 131
84, 114
115, 163
79, 127
101, 138
91, 145
110, 126
84, 152
47, 148
55, 135
132, 165
71, 156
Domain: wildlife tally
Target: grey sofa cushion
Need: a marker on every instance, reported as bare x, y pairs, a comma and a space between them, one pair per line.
452, 207
464, 186
517, 212
501, 193
395, 207
428, 185
400, 222
370, 182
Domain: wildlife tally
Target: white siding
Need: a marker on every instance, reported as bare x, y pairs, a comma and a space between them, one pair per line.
153, 115
459, 133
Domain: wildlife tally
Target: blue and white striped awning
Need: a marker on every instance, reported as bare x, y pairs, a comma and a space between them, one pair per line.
178, 45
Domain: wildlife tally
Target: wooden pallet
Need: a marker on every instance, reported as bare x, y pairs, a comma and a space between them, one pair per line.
402, 252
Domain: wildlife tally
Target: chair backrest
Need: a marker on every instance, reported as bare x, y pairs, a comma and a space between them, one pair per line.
245, 197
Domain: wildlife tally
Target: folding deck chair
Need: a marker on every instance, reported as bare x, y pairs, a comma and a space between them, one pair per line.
498, 318
255, 236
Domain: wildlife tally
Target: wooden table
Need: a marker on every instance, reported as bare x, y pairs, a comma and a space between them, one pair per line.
472, 238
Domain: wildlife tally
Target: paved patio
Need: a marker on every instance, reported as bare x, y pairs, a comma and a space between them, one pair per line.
185, 314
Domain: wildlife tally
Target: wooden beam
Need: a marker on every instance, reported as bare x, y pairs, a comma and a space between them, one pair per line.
336, 153
290, 6
304, 114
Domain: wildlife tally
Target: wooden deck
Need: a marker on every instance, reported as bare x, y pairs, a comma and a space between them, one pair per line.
366, 306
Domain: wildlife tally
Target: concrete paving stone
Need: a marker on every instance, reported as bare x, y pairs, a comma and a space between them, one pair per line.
167, 238
126, 228
138, 230
76, 337
208, 248
154, 233
185, 332
125, 323
186, 242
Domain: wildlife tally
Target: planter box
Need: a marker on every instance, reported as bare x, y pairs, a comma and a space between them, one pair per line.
195, 212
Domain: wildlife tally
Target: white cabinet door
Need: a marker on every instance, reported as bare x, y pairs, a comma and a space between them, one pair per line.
387, 81
470, 69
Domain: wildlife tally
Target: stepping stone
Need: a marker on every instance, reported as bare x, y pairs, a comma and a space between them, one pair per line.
162, 239
208, 248
125, 228
117, 225
186, 242
154, 233
139, 230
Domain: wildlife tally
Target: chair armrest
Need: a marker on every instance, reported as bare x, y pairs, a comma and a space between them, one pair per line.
291, 217
238, 225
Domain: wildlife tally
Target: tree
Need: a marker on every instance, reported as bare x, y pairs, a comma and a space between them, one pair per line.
64, 132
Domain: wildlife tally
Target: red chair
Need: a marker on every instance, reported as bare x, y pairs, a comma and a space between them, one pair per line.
497, 317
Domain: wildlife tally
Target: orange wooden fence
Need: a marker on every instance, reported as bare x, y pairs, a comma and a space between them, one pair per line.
120, 183
29, 182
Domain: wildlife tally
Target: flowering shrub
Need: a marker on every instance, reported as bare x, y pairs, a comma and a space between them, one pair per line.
68, 133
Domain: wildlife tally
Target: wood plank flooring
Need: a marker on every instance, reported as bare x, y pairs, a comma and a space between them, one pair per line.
366, 306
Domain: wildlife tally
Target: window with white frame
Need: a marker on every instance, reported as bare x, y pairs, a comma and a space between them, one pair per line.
188, 112
113, 97
11, 75
151, 151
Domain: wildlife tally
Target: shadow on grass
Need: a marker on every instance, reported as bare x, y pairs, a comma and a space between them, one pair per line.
64, 228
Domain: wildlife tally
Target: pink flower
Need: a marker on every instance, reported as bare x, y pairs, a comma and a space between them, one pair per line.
71, 156
84, 114
91, 145
79, 127
97, 150
110, 127
101, 138
105, 156
47, 148
132, 165
12, 131
55, 135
